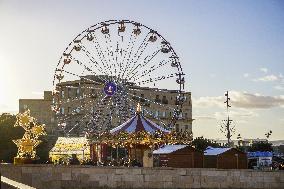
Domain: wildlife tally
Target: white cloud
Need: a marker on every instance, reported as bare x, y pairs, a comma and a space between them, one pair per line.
265, 70
205, 102
268, 78
278, 87
247, 100
240, 114
246, 75
241, 100
199, 118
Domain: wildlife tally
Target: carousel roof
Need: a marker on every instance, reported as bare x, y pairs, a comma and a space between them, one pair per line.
138, 123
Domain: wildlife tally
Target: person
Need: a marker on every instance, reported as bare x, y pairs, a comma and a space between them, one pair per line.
74, 160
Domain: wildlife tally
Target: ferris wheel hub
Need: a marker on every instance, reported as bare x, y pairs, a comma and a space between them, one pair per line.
110, 88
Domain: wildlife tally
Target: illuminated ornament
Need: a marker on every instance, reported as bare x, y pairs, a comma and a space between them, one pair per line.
138, 109
26, 145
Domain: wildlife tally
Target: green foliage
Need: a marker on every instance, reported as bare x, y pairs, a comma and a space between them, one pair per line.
201, 143
260, 146
8, 150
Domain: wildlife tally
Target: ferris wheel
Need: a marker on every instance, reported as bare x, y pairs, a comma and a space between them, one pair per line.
100, 75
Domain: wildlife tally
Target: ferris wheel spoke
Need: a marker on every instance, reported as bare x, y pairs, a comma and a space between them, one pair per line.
153, 80
146, 61
128, 53
101, 53
148, 71
82, 77
78, 124
110, 50
89, 69
139, 51
100, 111
92, 59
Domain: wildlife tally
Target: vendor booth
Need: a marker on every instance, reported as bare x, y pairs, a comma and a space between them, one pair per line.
66, 147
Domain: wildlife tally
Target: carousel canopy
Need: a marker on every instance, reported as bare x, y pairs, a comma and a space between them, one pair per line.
138, 123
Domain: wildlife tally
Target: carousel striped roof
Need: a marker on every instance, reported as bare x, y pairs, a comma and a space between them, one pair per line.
138, 123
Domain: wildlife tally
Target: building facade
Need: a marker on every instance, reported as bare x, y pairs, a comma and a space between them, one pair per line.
80, 101
41, 110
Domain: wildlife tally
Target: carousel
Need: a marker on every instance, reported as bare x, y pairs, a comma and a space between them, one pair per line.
138, 137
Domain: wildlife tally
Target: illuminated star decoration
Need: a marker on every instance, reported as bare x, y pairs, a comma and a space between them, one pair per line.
26, 145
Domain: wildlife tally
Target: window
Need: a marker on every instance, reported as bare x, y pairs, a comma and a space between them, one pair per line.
186, 127
62, 94
77, 92
142, 98
69, 110
69, 92
164, 114
157, 114
157, 99
164, 100
77, 110
62, 110
177, 127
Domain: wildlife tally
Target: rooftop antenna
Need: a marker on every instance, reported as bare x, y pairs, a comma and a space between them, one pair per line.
226, 126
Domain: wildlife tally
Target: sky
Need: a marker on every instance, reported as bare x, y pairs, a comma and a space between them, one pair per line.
235, 46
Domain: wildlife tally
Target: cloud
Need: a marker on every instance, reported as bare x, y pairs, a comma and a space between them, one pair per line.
255, 101
263, 70
246, 75
278, 87
240, 114
205, 102
268, 78
241, 100
201, 118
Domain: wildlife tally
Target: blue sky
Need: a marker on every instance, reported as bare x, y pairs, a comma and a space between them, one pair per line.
223, 45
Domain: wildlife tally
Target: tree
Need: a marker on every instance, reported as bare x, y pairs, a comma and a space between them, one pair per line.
8, 150
260, 146
201, 143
